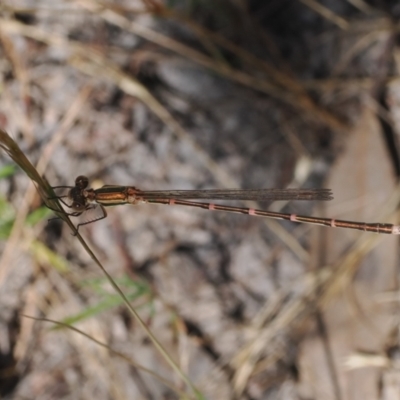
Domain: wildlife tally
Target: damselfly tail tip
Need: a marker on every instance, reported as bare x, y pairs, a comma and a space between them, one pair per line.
396, 230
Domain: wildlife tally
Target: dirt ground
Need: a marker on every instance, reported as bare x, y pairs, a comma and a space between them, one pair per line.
165, 95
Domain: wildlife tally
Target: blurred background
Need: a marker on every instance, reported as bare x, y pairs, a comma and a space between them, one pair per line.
199, 95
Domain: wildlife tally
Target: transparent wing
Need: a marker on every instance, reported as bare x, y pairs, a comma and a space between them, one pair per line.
241, 194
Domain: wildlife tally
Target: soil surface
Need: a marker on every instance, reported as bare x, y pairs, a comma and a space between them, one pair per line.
176, 95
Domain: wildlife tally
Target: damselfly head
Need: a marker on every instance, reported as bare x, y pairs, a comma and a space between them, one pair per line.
81, 182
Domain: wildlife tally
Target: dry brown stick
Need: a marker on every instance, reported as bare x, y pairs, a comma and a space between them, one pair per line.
326, 13
279, 78
295, 98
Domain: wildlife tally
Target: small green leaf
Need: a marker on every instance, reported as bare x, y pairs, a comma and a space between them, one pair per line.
38, 215
7, 216
136, 289
7, 171
46, 256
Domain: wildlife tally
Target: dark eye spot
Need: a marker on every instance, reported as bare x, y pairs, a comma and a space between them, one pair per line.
81, 182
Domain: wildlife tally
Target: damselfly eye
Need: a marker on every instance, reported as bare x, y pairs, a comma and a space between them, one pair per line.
78, 206
82, 181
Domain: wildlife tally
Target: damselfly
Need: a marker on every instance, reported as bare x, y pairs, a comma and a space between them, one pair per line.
80, 199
